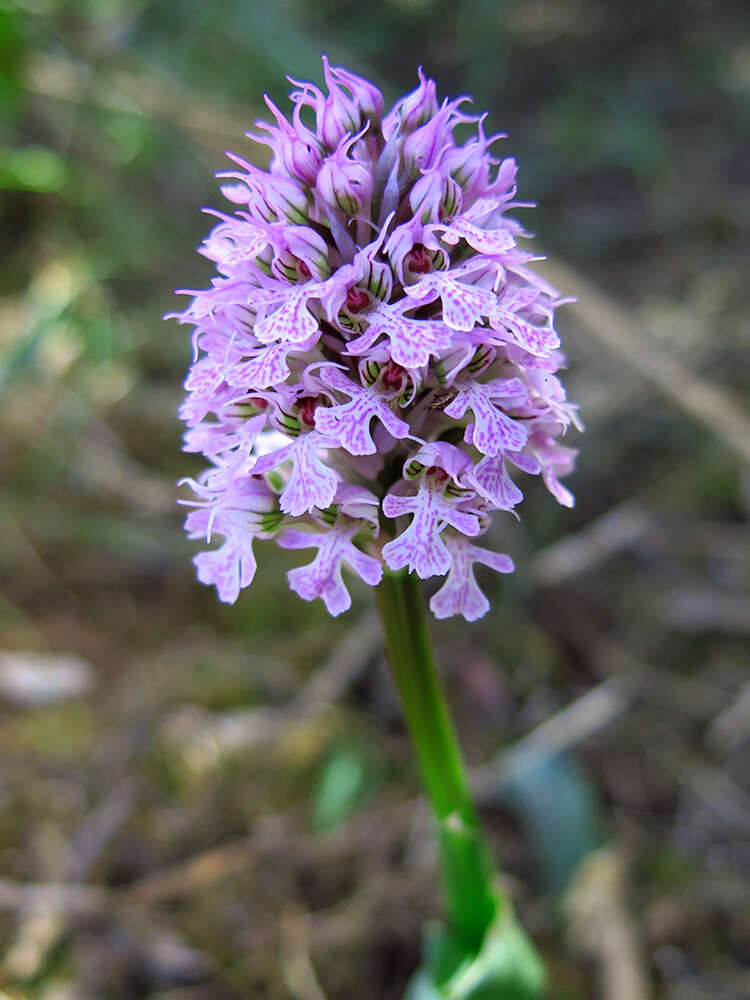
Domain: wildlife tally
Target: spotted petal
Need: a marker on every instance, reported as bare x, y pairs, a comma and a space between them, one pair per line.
492, 480
493, 431
412, 341
537, 340
349, 423
217, 438
292, 322
268, 367
322, 577
460, 594
490, 241
229, 568
463, 305
421, 547
311, 482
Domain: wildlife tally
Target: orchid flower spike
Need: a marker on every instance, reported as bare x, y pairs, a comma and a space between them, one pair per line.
374, 356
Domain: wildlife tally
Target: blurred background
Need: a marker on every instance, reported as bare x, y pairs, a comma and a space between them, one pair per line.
199, 801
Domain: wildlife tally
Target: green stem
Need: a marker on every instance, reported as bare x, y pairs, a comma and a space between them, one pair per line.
466, 869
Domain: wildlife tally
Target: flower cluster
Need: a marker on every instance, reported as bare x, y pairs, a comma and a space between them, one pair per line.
375, 353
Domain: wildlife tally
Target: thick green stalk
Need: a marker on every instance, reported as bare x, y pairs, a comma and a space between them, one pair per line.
467, 872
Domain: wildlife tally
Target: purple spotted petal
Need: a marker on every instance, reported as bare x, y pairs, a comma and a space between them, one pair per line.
490, 241
292, 322
494, 431
229, 568
464, 306
539, 341
322, 577
492, 480
420, 547
412, 341
349, 423
311, 482
217, 439
268, 367
460, 594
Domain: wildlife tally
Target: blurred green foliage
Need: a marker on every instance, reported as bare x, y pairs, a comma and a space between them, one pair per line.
347, 777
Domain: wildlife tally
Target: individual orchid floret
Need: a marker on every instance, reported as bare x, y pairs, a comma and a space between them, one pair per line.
470, 164
375, 363
349, 422
297, 151
435, 196
492, 481
364, 95
241, 508
269, 197
437, 503
302, 249
412, 341
493, 432
339, 115
413, 110
310, 482
555, 461
344, 182
424, 147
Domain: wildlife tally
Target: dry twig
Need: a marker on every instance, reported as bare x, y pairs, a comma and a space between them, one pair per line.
600, 926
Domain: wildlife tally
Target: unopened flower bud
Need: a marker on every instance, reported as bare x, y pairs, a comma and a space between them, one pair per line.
343, 182
414, 110
304, 243
470, 164
423, 146
270, 197
436, 196
296, 149
467, 165
284, 198
365, 95
339, 115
